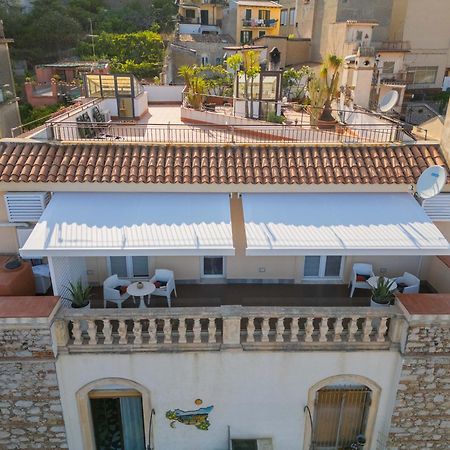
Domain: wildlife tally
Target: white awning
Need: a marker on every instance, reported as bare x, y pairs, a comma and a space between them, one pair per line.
108, 224
339, 224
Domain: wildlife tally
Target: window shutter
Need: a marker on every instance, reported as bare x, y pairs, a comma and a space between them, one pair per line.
26, 206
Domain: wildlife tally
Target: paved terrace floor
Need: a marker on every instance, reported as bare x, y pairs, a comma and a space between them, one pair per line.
190, 295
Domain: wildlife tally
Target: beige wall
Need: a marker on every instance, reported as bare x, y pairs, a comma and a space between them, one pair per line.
436, 273
184, 267
284, 267
97, 270
8, 236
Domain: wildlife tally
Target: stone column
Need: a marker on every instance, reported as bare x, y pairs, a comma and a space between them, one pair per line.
421, 417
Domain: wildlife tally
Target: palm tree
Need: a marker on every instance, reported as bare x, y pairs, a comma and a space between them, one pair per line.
329, 75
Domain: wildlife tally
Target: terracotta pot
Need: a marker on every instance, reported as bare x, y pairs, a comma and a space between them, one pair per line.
326, 124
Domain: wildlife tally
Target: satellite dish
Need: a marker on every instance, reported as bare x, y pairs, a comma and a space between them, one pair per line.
350, 58
389, 101
431, 182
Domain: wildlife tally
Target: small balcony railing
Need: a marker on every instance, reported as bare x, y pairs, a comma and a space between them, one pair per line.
394, 46
259, 23
217, 328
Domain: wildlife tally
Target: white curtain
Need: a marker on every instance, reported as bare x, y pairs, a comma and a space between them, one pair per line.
132, 423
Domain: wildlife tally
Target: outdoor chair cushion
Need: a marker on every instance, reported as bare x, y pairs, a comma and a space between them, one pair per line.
362, 277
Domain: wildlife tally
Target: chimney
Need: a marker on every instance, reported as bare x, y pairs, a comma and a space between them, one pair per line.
445, 138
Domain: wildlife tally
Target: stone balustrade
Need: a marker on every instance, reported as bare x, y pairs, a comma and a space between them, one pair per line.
224, 327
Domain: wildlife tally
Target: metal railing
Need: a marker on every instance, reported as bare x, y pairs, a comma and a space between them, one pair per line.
222, 134
259, 23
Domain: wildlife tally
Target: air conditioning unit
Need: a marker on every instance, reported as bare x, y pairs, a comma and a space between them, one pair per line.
107, 115
26, 206
252, 444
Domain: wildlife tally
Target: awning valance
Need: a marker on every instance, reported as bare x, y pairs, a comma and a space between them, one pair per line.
339, 224
108, 224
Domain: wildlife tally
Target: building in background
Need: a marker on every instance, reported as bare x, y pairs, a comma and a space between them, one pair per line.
412, 44
9, 107
255, 18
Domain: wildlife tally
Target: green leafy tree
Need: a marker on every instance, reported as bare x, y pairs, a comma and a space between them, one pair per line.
250, 71
295, 82
139, 53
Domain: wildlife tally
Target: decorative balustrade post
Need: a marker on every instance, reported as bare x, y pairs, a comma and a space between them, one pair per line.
265, 329
367, 329
382, 328
92, 332
197, 330
137, 332
280, 330
107, 331
212, 330
122, 332
294, 329
338, 328
182, 331
251, 329
152, 331
323, 329
167, 330
76, 331
309, 329
352, 329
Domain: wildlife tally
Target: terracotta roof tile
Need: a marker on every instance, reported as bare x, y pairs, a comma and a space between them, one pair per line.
255, 164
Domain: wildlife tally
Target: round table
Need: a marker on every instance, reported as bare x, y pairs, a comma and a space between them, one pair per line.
373, 282
147, 289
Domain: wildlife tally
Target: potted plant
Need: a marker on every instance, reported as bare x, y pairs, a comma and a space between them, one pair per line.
323, 91
79, 295
382, 293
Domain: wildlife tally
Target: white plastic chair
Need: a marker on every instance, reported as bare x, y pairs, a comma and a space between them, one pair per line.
110, 294
360, 269
411, 281
165, 291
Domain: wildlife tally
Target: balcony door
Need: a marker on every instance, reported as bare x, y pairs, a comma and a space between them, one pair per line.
129, 266
117, 419
204, 17
323, 268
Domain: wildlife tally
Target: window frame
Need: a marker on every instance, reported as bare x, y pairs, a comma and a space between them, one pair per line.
322, 267
212, 276
292, 16
390, 63
413, 71
250, 33
284, 15
345, 379
120, 385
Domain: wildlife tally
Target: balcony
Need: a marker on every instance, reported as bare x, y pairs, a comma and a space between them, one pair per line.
393, 46
219, 328
259, 23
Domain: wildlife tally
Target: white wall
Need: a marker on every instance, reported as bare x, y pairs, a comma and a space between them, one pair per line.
165, 93
258, 394
140, 104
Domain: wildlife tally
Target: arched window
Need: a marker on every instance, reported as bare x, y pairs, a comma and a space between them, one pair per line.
341, 409
114, 414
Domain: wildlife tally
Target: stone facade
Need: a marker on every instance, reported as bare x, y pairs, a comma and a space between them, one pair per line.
30, 407
421, 417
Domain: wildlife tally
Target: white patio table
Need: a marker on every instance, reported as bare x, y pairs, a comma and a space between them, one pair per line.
146, 290
373, 282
